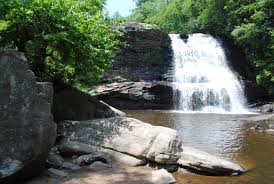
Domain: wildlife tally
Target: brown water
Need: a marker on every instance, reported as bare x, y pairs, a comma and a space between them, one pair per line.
222, 135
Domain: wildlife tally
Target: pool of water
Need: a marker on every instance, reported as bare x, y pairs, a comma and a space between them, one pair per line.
223, 135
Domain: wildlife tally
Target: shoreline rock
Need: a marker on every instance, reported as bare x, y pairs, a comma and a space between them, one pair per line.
69, 103
27, 129
143, 141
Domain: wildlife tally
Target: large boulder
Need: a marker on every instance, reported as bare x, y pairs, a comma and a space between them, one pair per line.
146, 56
27, 129
125, 135
69, 103
202, 162
69, 149
144, 141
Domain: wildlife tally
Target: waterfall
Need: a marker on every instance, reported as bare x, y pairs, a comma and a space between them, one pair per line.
203, 81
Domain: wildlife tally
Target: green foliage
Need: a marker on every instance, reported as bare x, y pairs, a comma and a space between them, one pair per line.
64, 40
251, 26
248, 22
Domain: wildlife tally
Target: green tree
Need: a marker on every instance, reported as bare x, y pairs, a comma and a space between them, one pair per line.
251, 26
64, 40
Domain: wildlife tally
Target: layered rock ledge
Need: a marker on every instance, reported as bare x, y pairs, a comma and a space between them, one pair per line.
136, 95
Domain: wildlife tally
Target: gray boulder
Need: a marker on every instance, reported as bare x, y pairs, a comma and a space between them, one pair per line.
72, 104
88, 159
144, 141
126, 135
267, 108
27, 129
202, 162
76, 148
55, 160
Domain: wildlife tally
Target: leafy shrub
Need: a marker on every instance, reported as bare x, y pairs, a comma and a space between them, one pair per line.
64, 40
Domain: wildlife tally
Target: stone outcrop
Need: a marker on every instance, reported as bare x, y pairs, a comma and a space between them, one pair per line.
145, 56
72, 104
136, 95
143, 141
27, 129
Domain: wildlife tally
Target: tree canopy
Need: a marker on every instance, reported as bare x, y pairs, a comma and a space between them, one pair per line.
64, 40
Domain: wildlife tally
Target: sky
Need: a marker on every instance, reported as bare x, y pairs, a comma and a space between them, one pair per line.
124, 7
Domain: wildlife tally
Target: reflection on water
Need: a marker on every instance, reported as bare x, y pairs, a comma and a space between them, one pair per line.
222, 135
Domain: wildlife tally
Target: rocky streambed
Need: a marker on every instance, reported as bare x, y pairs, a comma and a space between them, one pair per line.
106, 145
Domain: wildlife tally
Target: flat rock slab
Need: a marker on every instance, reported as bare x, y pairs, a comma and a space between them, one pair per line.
126, 135
201, 162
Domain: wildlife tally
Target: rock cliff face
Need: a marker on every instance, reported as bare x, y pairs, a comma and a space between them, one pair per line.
27, 129
146, 56
137, 95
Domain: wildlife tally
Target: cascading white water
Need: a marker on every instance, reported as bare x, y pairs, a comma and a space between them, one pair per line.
203, 81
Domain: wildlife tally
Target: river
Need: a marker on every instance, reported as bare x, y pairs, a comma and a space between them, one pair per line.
223, 135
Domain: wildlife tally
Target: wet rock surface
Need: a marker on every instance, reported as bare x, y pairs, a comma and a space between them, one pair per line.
27, 129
